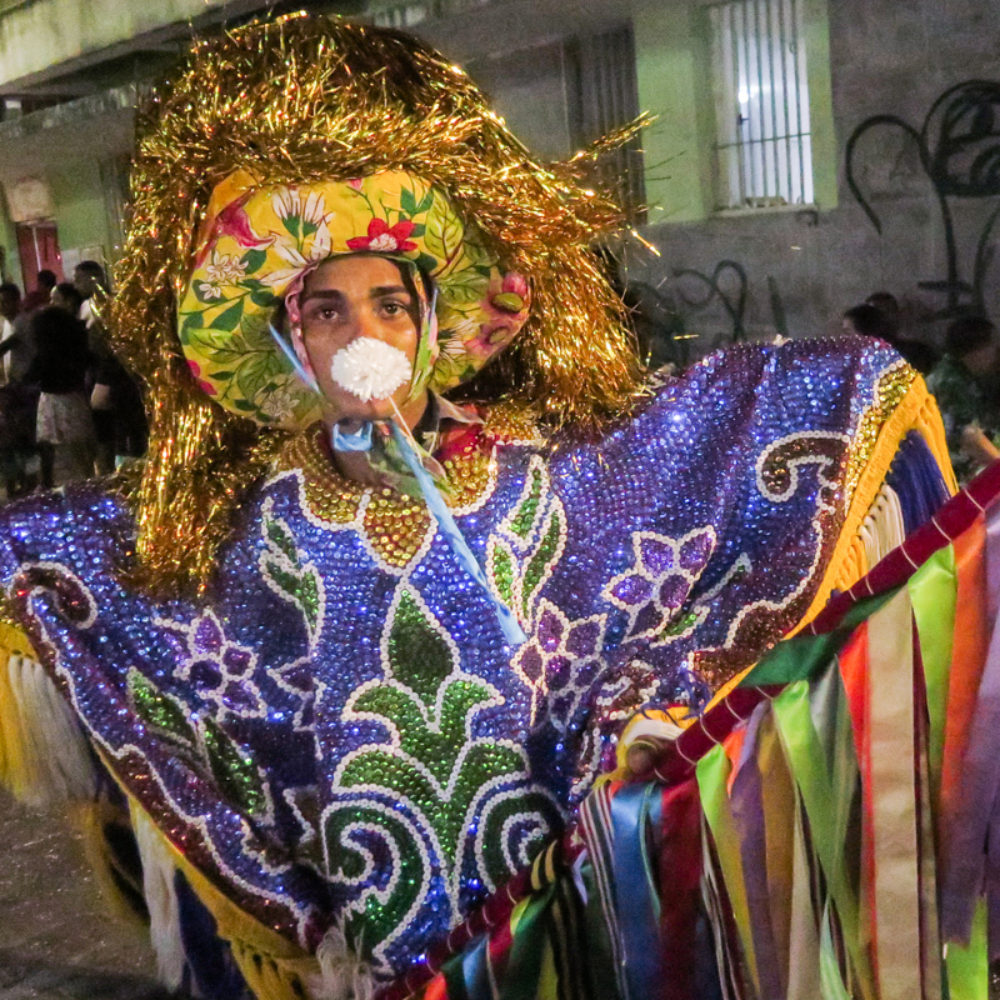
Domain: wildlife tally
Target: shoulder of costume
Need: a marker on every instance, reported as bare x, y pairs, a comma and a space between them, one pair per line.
82, 523
44, 539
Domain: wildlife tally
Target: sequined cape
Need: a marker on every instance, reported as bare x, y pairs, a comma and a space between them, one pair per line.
338, 736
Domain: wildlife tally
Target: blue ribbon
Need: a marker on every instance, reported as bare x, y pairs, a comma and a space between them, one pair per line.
446, 523
636, 809
289, 352
360, 440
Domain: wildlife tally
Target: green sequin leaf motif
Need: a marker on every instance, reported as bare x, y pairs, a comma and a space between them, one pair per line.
520, 558
542, 559
236, 775
523, 521
421, 787
161, 712
202, 745
288, 576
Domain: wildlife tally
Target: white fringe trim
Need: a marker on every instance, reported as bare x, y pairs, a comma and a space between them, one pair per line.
57, 759
161, 899
883, 528
342, 975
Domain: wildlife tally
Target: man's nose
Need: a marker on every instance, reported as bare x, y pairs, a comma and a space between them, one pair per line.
365, 324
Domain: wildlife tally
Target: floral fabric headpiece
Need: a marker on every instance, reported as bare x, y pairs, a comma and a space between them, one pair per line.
258, 241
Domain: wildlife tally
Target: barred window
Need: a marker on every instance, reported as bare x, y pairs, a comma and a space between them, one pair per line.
763, 142
604, 95
404, 15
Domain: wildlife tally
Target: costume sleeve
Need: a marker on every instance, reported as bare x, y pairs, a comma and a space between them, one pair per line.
198, 935
895, 474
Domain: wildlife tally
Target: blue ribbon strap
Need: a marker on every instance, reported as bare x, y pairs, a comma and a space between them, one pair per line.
289, 353
360, 440
512, 630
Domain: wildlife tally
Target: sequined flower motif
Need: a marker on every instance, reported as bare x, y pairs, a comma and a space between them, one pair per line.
383, 238
561, 660
219, 670
654, 591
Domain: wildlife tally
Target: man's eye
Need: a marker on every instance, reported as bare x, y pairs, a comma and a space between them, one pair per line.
394, 308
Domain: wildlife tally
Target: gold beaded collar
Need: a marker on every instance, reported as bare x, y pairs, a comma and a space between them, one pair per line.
395, 528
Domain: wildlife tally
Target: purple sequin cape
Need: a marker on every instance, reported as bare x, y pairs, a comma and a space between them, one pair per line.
334, 739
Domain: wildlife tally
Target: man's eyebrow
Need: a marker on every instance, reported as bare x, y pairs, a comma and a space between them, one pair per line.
323, 293
375, 292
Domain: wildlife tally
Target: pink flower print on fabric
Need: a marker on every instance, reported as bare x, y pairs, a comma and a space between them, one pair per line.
232, 221
506, 305
512, 296
195, 370
657, 587
383, 238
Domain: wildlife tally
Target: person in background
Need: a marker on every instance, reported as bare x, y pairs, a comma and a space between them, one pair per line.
42, 293
115, 399
10, 308
89, 277
67, 296
888, 305
12, 438
878, 316
64, 429
965, 384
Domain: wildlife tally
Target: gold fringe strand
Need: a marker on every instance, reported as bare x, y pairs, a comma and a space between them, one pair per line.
307, 98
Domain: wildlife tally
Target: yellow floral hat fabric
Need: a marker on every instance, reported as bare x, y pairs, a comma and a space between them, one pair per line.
257, 238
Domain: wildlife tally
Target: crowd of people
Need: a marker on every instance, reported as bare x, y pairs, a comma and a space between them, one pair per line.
68, 408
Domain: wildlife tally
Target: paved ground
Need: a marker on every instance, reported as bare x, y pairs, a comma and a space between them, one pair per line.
58, 941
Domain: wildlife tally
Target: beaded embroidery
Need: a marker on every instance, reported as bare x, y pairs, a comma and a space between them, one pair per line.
337, 734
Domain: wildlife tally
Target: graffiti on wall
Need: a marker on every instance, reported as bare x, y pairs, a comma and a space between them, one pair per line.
678, 319
958, 146
697, 291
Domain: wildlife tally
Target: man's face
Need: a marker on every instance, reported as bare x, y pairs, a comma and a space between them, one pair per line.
351, 297
60, 301
9, 304
86, 283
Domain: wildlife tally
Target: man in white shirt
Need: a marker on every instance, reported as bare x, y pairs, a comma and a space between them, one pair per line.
10, 306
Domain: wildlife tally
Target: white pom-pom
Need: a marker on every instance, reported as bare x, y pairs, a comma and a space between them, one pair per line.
370, 369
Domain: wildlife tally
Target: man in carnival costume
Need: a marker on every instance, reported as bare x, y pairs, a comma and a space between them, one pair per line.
353, 656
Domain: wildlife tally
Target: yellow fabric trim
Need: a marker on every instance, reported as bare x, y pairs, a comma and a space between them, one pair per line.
90, 819
17, 773
274, 967
918, 411
14, 640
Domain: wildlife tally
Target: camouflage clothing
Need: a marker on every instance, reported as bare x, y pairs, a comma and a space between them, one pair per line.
963, 401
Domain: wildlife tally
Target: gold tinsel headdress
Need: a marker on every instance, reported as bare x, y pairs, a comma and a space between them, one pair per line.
310, 99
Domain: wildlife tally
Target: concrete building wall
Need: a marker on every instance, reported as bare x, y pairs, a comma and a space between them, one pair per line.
866, 57
885, 58
47, 32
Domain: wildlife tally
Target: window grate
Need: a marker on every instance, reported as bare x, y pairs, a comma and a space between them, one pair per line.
404, 15
604, 96
764, 144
